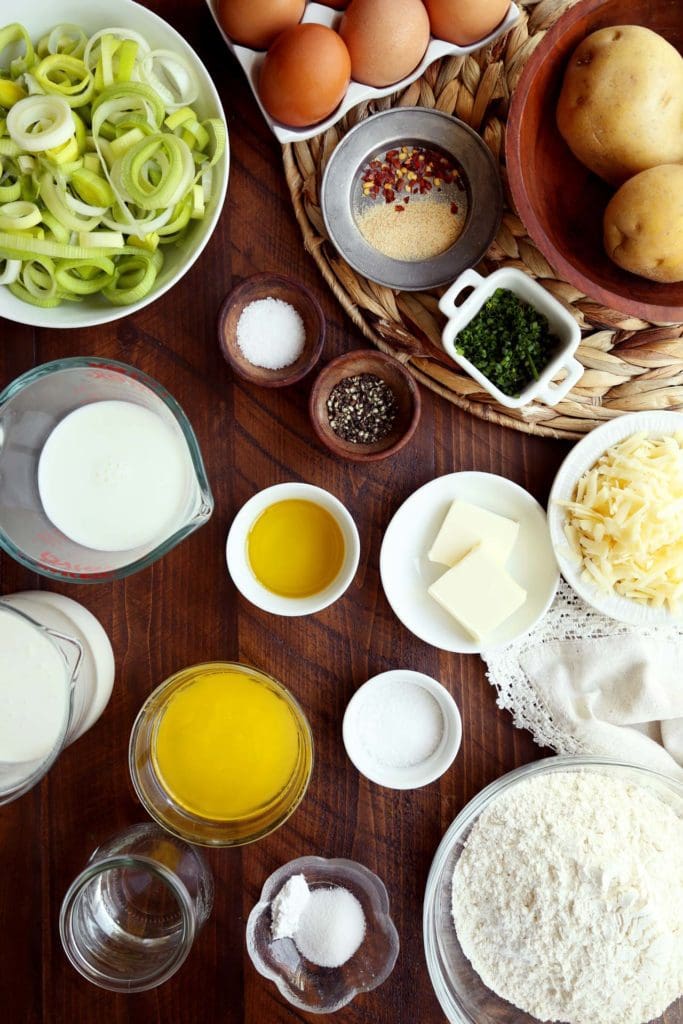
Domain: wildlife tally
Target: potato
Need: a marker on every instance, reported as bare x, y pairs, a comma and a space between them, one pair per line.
621, 105
643, 224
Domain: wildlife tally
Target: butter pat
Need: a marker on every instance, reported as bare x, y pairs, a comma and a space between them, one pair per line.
466, 526
479, 593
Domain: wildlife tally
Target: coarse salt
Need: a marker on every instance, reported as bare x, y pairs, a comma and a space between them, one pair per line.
271, 333
400, 724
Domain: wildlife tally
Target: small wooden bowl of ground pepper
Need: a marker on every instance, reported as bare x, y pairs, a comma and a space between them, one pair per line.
364, 406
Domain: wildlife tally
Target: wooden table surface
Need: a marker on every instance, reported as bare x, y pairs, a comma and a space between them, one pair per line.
184, 610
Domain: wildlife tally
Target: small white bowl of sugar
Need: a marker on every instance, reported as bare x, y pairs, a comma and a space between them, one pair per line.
402, 729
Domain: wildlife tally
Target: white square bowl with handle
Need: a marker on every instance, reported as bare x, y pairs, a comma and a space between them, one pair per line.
562, 325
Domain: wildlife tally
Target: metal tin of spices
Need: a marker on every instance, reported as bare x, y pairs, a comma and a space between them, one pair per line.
430, 130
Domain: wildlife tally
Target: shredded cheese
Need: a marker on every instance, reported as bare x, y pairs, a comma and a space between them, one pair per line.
624, 524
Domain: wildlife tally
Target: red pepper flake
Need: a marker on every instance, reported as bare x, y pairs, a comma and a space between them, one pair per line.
412, 170
399, 208
454, 207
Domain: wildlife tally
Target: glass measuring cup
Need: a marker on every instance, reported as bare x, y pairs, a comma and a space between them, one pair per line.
30, 408
129, 919
60, 657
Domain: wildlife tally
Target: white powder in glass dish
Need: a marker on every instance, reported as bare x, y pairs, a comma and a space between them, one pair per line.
331, 927
327, 924
287, 907
568, 899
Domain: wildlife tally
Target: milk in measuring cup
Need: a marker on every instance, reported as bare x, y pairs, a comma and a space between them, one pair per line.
34, 694
56, 677
95, 679
113, 476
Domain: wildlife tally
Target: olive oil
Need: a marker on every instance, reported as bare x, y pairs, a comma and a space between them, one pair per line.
295, 548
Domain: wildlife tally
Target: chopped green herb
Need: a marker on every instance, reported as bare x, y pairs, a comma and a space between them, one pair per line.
508, 341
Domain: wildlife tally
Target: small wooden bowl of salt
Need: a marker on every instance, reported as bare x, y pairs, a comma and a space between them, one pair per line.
271, 330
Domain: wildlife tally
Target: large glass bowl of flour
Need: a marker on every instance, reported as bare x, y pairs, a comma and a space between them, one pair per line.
464, 997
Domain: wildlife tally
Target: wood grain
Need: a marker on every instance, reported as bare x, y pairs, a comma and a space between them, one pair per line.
184, 610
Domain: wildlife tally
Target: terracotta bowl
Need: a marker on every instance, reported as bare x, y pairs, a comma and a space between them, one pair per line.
276, 286
351, 364
559, 200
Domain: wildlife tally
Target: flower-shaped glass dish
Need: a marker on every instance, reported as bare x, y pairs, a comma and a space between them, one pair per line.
322, 989
464, 998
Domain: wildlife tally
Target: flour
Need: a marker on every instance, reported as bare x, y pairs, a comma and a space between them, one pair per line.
568, 899
288, 907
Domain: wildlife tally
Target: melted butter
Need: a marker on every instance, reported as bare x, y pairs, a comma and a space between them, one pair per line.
226, 745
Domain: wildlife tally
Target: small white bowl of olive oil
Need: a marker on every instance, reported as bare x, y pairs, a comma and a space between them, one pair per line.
293, 549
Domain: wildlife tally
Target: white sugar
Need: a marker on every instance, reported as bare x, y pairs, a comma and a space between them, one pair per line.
331, 927
400, 723
271, 333
327, 924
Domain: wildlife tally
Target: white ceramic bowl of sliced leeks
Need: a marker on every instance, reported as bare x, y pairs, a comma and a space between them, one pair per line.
39, 17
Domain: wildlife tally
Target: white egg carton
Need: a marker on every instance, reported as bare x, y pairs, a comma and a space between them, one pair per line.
251, 61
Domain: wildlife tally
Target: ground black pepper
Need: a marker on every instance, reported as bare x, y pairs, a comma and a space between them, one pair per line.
362, 409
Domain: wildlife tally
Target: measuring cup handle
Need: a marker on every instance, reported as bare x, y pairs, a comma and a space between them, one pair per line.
76, 655
551, 394
468, 279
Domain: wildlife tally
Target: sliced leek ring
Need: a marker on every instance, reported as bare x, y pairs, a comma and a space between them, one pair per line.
38, 123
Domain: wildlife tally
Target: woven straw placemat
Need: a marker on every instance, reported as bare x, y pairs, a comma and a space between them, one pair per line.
630, 364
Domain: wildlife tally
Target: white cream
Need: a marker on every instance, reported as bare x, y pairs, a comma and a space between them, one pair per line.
95, 678
34, 693
114, 476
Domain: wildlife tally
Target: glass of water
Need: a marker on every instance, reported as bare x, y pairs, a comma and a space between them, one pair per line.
129, 919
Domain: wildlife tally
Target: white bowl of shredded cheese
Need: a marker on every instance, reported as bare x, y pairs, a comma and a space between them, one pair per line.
615, 515
557, 894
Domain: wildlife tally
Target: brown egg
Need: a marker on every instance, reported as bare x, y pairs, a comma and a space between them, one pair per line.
465, 21
305, 75
256, 23
386, 39
338, 5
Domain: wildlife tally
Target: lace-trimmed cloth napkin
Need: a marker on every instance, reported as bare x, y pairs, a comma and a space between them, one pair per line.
585, 684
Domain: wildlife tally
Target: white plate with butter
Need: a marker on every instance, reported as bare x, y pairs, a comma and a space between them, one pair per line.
407, 572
